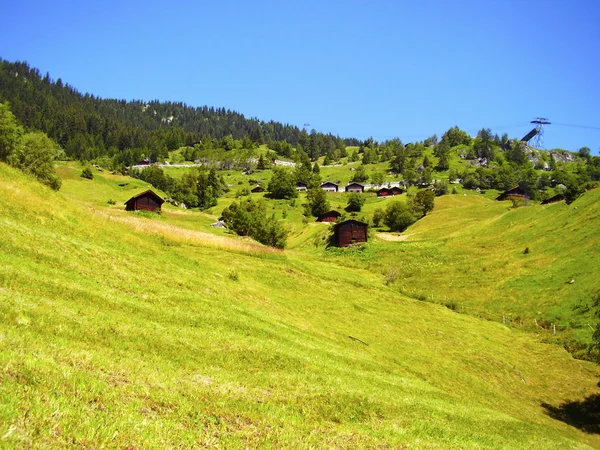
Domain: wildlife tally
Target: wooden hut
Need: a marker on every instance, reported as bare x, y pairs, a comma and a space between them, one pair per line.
355, 187
516, 192
256, 189
556, 198
328, 217
329, 186
301, 187
146, 201
386, 192
350, 232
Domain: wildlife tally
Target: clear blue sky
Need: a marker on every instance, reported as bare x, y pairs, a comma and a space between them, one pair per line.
406, 68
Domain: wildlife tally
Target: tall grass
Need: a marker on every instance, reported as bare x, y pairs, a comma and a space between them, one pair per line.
120, 331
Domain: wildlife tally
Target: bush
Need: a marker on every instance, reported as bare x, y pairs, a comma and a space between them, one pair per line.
35, 155
243, 192
422, 202
378, 216
398, 216
355, 202
87, 173
249, 218
233, 275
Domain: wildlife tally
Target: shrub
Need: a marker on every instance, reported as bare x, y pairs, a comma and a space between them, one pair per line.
243, 192
87, 173
35, 155
249, 218
378, 216
355, 202
233, 275
398, 216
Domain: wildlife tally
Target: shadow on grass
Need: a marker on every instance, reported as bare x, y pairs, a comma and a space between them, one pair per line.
584, 414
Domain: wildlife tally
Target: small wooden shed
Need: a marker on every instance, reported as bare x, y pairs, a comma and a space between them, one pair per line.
516, 192
146, 201
556, 198
301, 187
329, 186
386, 192
355, 187
329, 217
350, 232
257, 188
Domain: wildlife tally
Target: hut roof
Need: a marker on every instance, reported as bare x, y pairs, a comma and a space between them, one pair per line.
148, 193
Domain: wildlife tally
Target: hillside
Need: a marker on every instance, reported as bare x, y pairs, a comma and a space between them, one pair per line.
129, 331
525, 266
88, 127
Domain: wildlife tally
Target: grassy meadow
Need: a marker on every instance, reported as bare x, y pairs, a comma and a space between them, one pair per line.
124, 330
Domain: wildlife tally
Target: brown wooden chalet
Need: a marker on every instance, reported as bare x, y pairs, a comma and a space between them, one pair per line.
329, 186
350, 232
256, 189
146, 201
386, 192
516, 192
355, 187
329, 217
556, 198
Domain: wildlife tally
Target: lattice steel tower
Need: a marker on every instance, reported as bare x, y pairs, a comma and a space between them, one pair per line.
540, 123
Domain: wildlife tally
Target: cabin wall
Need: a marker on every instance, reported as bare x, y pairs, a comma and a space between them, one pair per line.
351, 233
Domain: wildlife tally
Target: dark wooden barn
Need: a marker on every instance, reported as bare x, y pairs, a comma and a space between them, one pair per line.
146, 201
355, 187
386, 192
556, 198
256, 189
350, 232
328, 217
516, 192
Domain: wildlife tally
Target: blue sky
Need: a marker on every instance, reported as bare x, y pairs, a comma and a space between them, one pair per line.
404, 68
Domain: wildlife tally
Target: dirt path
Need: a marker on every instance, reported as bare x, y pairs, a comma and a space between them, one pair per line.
392, 237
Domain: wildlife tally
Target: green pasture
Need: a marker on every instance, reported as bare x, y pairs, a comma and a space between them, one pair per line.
121, 330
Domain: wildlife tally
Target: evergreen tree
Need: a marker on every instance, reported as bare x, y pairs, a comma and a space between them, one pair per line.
317, 201
10, 132
282, 184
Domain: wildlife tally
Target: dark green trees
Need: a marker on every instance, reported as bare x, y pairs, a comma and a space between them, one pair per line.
10, 132
317, 202
249, 218
282, 184
355, 202
35, 155
398, 216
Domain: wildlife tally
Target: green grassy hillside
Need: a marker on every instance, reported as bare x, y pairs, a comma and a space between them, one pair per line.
506, 264
121, 330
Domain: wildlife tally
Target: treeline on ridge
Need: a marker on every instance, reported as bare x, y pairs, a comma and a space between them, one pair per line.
88, 127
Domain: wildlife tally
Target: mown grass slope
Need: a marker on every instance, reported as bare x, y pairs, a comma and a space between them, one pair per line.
534, 264
125, 331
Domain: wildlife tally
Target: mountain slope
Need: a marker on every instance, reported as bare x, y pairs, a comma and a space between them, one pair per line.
127, 331
515, 265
